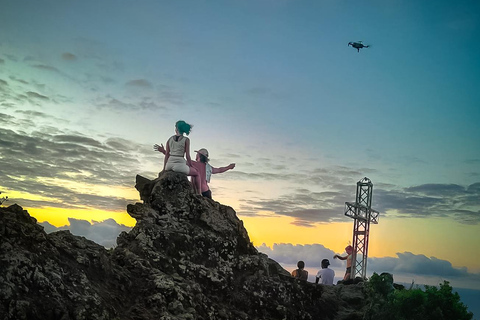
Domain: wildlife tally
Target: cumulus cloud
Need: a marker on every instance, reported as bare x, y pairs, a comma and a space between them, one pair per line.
405, 266
289, 254
408, 262
104, 232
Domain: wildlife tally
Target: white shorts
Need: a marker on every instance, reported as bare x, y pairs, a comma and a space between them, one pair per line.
177, 164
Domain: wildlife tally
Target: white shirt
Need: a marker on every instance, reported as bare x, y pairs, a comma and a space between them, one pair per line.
326, 275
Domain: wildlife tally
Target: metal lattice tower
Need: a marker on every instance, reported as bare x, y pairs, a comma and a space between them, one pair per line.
363, 214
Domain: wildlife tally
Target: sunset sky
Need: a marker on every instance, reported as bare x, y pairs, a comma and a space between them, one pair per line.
87, 88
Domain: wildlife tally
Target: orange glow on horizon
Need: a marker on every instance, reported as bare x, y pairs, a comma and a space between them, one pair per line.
59, 216
418, 236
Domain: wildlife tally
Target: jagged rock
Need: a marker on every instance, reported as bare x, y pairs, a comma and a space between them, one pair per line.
187, 257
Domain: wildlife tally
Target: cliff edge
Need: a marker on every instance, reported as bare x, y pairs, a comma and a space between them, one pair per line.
187, 257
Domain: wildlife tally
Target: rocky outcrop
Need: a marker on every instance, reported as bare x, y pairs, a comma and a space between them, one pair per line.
187, 257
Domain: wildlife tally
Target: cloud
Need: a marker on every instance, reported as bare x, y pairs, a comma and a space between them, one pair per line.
45, 67
456, 202
289, 254
69, 56
432, 200
405, 266
408, 262
104, 232
35, 162
142, 83
36, 95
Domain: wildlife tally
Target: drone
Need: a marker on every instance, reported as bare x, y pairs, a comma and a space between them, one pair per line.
358, 45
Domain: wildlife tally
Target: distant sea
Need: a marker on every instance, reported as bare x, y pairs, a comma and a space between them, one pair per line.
471, 298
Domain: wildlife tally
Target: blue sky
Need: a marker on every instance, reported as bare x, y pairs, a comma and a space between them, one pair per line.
86, 89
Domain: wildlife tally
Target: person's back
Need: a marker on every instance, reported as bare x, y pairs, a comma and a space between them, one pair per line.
300, 273
327, 275
177, 146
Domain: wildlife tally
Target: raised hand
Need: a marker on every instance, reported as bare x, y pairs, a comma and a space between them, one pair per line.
159, 148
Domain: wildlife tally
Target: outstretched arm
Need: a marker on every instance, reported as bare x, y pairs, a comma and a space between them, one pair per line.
340, 257
223, 169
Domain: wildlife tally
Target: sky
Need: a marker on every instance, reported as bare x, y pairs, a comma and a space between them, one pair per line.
87, 88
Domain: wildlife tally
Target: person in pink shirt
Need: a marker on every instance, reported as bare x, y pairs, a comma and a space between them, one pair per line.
204, 169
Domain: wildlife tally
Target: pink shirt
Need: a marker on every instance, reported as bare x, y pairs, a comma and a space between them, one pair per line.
200, 167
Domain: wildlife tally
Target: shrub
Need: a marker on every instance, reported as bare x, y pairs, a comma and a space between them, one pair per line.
430, 304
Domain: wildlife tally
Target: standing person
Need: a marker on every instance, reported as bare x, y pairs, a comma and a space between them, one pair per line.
327, 275
204, 169
300, 273
349, 251
178, 146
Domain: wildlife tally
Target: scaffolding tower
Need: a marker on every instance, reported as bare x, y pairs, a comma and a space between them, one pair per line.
362, 213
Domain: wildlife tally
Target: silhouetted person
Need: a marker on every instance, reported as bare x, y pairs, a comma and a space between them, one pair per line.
327, 275
300, 273
349, 251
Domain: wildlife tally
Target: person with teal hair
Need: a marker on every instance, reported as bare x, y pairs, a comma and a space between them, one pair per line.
177, 149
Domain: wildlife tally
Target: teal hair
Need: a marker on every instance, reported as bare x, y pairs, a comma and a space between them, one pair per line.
183, 127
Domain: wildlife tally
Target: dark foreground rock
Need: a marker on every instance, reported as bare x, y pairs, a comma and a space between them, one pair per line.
188, 257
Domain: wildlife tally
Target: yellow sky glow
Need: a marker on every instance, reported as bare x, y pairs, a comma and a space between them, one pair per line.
59, 216
440, 238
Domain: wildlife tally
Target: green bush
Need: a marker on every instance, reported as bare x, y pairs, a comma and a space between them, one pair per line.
430, 304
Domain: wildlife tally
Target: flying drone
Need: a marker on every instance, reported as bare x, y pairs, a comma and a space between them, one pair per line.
358, 45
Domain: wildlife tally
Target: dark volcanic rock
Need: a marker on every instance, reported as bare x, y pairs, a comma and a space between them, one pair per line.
188, 257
